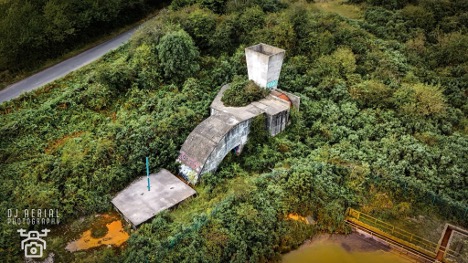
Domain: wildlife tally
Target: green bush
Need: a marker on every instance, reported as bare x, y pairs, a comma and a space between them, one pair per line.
178, 56
242, 92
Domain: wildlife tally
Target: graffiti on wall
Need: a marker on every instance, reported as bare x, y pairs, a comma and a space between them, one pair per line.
190, 162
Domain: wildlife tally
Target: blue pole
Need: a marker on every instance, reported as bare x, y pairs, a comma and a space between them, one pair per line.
147, 173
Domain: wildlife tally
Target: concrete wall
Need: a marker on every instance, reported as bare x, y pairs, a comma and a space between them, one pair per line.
277, 123
237, 136
234, 138
274, 70
188, 174
295, 100
264, 64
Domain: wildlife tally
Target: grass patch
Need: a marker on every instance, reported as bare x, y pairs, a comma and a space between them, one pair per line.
422, 221
99, 231
340, 7
207, 198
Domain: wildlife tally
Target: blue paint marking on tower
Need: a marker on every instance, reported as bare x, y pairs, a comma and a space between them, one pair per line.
147, 173
272, 84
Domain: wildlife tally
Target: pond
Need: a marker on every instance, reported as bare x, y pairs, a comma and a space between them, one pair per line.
352, 248
107, 230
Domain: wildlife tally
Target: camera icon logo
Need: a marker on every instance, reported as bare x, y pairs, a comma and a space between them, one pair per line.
33, 245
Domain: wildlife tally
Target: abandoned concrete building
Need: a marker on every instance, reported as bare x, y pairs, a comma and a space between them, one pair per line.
228, 128
225, 130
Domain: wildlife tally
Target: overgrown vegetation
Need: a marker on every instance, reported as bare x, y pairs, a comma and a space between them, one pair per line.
242, 92
382, 127
32, 32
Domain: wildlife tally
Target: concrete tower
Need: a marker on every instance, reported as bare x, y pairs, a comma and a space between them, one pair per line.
264, 64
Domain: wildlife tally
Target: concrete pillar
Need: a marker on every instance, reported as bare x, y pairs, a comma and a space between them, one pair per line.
264, 64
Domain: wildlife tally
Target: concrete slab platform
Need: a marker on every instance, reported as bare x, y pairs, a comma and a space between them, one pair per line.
270, 105
138, 205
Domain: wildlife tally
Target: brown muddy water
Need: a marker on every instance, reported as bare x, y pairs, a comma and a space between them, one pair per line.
107, 230
353, 248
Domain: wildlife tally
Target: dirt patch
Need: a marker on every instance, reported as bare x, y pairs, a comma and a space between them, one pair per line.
111, 232
52, 146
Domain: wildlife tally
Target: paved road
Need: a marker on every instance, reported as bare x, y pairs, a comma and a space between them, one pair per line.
63, 68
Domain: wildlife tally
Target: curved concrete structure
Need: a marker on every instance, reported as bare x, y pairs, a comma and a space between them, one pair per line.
209, 143
227, 129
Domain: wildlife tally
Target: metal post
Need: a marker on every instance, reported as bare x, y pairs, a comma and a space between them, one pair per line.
147, 172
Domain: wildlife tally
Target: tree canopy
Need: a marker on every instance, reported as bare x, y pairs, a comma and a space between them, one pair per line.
178, 55
382, 127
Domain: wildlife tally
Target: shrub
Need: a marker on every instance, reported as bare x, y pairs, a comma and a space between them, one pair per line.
178, 56
242, 93
420, 99
370, 93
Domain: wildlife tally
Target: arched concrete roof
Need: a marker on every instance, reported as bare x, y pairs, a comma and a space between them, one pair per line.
205, 140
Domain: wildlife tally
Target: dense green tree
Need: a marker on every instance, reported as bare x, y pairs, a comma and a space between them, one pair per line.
418, 16
178, 56
34, 31
421, 99
224, 39
371, 93
217, 6
200, 24
248, 22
